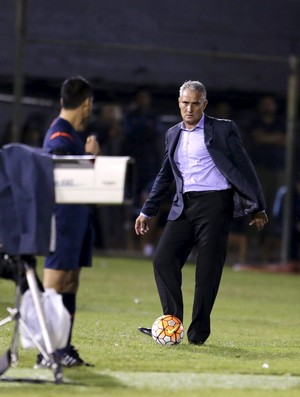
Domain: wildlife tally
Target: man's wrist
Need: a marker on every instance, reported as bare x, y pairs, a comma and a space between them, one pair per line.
146, 216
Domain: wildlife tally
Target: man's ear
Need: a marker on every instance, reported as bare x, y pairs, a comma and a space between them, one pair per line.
87, 102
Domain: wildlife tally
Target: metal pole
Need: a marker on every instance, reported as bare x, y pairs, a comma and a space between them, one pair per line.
292, 102
18, 69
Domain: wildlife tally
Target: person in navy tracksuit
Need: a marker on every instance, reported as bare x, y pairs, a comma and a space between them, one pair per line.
73, 224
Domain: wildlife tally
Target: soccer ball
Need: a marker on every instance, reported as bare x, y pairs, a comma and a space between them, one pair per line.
167, 330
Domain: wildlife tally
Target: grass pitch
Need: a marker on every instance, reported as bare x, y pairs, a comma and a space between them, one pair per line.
254, 349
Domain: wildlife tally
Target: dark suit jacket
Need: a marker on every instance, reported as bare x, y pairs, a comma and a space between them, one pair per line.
227, 150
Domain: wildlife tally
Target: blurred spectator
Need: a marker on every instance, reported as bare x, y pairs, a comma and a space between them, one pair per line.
267, 134
143, 131
278, 214
225, 110
107, 126
222, 110
6, 134
33, 130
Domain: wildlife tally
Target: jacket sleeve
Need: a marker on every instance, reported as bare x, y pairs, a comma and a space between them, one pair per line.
243, 163
60, 143
160, 188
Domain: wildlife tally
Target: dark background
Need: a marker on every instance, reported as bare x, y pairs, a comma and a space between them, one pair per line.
234, 47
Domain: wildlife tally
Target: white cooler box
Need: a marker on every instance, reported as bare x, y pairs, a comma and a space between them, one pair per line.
94, 179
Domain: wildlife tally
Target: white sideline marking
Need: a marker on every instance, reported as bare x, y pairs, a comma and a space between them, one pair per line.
168, 380
189, 381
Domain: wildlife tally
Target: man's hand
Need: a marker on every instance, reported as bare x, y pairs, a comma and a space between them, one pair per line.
92, 145
259, 219
142, 225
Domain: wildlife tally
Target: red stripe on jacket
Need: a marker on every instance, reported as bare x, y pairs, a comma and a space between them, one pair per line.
64, 134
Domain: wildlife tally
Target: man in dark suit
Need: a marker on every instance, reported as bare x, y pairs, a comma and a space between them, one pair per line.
215, 181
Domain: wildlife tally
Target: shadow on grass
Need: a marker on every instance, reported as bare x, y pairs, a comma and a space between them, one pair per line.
250, 354
88, 378
24, 380
80, 376
227, 351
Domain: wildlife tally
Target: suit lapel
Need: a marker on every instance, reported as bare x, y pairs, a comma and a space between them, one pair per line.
208, 131
174, 138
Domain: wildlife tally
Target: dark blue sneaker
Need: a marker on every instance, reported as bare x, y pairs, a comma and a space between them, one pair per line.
69, 357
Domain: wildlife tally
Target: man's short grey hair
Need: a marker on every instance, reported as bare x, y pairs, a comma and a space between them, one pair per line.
194, 86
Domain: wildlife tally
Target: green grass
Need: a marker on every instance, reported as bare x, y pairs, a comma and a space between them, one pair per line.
255, 321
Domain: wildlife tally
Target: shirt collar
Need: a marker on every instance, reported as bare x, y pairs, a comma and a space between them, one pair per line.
199, 125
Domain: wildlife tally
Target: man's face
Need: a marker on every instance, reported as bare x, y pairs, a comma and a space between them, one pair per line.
191, 105
86, 110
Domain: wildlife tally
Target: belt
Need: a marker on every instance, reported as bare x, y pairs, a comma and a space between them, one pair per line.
191, 195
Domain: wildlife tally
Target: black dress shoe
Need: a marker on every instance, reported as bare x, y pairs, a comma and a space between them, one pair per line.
196, 342
146, 331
